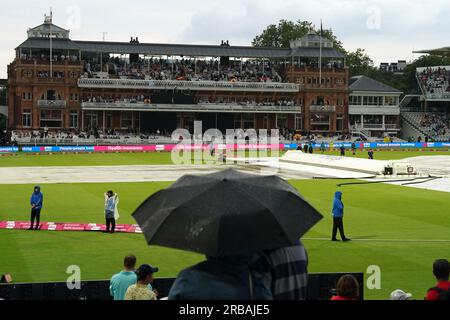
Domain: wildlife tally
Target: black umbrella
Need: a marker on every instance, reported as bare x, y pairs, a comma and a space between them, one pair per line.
226, 213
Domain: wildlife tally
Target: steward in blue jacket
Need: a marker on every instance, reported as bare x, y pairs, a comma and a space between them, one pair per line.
338, 214
36, 201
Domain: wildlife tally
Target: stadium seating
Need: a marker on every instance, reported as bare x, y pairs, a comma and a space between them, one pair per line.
435, 125
434, 81
191, 70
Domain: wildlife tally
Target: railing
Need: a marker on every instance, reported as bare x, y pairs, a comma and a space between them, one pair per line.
51, 79
374, 110
119, 141
322, 109
435, 96
51, 103
374, 126
47, 62
204, 107
188, 85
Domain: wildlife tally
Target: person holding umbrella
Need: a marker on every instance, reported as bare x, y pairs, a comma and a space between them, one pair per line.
288, 272
233, 277
36, 201
338, 214
231, 218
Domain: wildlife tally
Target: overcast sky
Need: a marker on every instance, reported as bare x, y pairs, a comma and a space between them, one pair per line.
388, 30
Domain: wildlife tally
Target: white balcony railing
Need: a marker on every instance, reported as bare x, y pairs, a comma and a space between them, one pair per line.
374, 126
374, 110
188, 85
201, 107
322, 109
51, 103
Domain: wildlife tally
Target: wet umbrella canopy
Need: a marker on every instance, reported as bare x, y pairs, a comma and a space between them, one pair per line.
226, 213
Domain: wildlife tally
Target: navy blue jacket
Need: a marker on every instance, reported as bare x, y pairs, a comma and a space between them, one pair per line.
37, 198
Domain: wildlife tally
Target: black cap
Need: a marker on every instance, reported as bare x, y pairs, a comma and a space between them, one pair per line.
146, 270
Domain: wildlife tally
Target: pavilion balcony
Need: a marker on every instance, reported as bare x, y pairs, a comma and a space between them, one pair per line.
322, 109
188, 85
203, 107
52, 103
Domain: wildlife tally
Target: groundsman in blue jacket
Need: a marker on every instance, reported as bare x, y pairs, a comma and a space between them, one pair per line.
338, 215
36, 202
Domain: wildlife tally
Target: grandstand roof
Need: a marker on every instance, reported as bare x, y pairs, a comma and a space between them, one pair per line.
445, 51
42, 43
178, 49
363, 83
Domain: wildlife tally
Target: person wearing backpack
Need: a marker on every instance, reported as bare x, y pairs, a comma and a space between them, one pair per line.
441, 270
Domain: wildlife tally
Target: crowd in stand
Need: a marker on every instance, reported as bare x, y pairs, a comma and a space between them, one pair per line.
147, 99
189, 70
437, 125
435, 81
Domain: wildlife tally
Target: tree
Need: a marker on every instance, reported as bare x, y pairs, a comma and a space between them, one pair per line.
280, 35
359, 63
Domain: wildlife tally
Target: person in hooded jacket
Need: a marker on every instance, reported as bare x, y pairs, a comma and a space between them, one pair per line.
236, 277
36, 201
338, 214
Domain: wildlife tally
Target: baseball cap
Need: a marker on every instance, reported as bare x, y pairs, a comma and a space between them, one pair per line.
400, 295
146, 269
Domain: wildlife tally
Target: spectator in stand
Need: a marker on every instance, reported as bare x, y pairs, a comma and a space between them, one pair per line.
288, 272
123, 280
141, 290
36, 201
400, 295
238, 277
347, 288
441, 270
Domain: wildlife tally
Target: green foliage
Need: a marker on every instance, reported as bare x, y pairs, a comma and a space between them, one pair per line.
359, 63
280, 35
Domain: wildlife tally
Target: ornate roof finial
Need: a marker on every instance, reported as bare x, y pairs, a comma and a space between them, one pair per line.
48, 19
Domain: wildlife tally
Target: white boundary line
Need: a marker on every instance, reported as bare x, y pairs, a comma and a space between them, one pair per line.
386, 240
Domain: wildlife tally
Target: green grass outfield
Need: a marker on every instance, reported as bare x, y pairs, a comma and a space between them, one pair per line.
107, 159
373, 212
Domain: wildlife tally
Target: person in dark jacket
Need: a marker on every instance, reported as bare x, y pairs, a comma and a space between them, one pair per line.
36, 201
354, 148
305, 148
342, 148
238, 277
338, 214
